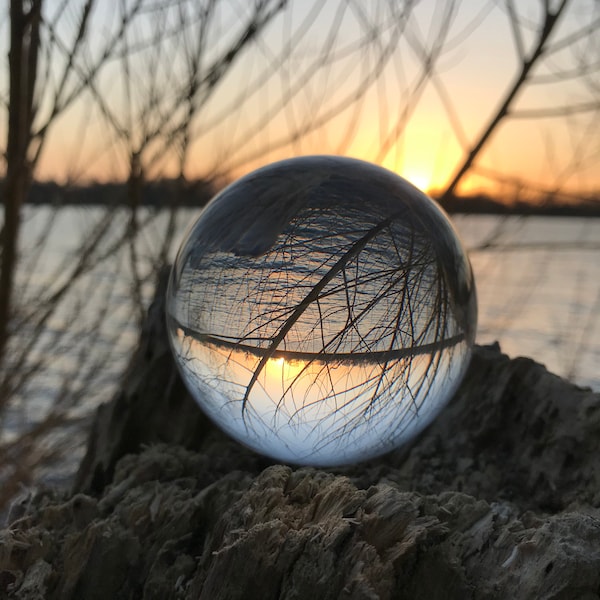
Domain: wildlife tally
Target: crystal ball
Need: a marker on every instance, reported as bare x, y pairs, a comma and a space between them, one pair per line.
322, 310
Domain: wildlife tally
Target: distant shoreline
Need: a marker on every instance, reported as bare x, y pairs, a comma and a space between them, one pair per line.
167, 193
485, 205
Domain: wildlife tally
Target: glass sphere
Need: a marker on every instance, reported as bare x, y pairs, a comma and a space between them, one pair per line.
322, 310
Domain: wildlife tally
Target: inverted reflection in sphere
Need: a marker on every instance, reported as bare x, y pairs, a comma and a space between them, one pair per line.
322, 310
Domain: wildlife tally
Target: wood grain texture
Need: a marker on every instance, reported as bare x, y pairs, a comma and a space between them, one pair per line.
498, 498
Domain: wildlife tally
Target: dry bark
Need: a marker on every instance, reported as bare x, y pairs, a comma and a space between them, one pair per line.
498, 498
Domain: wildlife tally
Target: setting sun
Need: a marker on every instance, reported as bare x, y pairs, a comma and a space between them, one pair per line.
419, 179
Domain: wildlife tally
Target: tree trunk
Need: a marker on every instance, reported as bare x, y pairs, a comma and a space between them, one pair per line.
22, 62
498, 498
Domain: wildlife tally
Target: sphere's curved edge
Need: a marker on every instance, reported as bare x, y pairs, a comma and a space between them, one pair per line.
322, 310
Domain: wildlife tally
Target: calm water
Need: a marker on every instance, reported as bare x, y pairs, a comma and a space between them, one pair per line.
538, 281
539, 290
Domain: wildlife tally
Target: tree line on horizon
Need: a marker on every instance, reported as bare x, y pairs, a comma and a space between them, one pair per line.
160, 193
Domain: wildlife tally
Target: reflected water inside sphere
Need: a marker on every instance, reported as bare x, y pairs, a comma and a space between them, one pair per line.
314, 411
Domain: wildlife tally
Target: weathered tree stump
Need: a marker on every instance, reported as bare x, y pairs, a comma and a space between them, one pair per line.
498, 498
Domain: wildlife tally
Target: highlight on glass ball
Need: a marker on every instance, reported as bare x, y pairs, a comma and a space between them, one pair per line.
322, 310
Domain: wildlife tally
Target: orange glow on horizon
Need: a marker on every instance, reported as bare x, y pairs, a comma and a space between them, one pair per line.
426, 154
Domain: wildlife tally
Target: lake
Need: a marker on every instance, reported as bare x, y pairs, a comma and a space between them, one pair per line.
538, 282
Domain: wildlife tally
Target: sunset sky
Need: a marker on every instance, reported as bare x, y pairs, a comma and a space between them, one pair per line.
314, 56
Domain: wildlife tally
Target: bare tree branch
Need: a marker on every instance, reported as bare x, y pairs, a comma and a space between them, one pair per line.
550, 21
